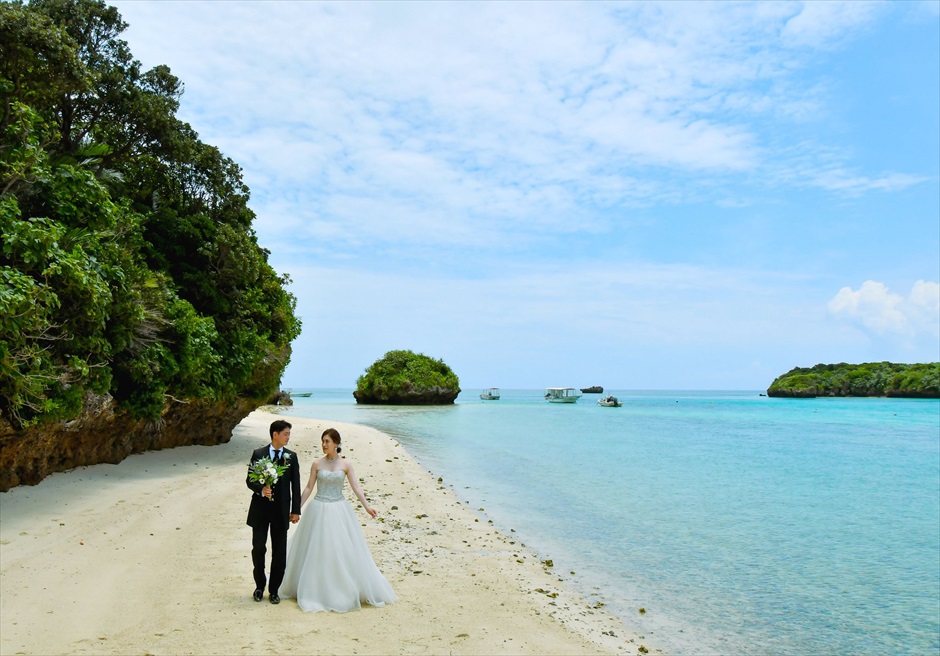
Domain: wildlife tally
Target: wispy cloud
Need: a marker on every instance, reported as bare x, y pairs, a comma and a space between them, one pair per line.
452, 117
448, 166
632, 322
845, 181
828, 24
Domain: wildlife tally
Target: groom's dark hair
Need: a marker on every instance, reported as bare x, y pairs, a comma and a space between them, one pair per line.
278, 425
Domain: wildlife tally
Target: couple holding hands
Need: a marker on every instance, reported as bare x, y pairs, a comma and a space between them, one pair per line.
327, 565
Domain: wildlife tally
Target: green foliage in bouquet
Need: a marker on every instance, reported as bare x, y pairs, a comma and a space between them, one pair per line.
266, 471
128, 263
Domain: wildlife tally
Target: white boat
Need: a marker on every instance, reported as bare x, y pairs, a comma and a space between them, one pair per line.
490, 394
562, 395
609, 401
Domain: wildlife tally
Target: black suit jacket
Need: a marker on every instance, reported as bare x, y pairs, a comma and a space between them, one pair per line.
286, 491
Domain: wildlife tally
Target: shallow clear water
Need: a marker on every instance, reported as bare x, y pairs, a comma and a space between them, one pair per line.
742, 524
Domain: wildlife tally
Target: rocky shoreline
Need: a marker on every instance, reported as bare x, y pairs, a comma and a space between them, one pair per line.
105, 434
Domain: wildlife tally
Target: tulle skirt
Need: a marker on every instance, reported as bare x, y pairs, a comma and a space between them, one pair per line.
329, 566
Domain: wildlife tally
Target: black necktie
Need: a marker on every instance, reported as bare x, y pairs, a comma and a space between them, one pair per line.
277, 454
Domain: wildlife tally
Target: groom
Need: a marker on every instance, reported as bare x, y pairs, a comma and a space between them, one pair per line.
266, 515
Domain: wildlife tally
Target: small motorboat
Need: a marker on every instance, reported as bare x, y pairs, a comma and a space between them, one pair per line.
609, 401
561, 395
490, 394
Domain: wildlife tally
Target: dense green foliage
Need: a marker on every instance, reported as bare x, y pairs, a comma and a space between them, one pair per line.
870, 379
400, 372
128, 263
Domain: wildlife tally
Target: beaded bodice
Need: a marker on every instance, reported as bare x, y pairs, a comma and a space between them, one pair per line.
330, 485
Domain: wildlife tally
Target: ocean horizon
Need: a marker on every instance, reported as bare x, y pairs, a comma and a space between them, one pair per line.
741, 524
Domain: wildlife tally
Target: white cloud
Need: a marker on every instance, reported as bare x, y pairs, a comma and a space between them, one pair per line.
626, 323
929, 7
923, 306
823, 24
884, 312
445, 165
844, 181
477, 120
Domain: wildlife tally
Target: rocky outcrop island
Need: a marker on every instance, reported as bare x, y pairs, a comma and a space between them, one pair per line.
918, 381
407, 378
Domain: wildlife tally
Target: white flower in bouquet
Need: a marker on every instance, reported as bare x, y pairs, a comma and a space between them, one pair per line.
265, 471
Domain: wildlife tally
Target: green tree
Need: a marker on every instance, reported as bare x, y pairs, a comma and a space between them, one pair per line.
400, 375
128, 261
868, 379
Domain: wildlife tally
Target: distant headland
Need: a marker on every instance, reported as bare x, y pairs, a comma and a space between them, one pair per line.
919, 381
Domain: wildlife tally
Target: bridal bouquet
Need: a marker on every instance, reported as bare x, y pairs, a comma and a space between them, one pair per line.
266, 471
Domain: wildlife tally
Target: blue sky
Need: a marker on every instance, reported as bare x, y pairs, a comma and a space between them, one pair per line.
637, 195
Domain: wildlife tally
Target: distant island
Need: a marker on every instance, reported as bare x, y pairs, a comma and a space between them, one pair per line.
920, 381
406, 378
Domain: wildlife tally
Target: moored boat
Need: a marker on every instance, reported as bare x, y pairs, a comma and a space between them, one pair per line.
490, 394
609, 401
561, 395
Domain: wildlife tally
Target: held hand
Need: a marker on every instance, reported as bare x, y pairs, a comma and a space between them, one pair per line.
266, 492
294, 518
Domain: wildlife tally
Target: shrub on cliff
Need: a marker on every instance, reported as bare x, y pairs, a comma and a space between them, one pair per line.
407, 378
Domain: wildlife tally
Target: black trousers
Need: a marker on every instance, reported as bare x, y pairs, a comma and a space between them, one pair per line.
259, 538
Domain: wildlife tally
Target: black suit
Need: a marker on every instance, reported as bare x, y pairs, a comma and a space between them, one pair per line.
265, 515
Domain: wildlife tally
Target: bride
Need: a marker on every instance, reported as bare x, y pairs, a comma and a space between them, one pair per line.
329, 566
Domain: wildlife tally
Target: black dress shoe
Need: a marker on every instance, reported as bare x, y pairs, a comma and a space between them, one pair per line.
273, 598
257, 595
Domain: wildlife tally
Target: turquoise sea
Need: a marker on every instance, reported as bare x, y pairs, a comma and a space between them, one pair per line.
742, 524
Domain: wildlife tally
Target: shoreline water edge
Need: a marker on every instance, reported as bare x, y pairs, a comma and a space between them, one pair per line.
153, 556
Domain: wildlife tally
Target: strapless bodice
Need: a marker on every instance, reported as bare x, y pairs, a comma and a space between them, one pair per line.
330, 485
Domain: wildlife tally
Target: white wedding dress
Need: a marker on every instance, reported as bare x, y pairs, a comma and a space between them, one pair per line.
329, 566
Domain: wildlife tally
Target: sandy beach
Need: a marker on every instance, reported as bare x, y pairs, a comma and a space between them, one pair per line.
152, 556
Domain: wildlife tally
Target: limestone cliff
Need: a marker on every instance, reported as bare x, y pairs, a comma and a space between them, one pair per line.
103, 434
428, 396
